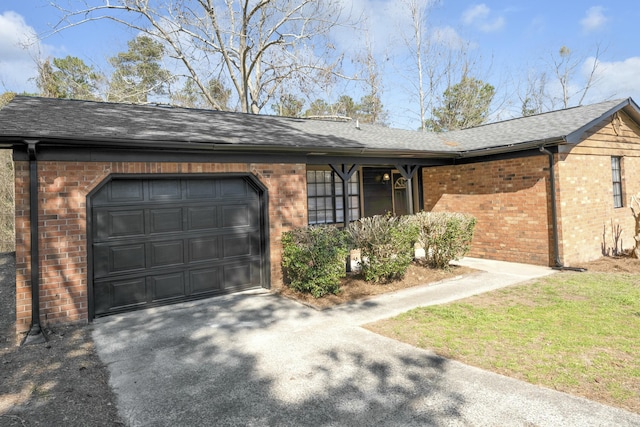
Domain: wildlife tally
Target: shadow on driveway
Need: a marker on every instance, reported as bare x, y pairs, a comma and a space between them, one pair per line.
259, 359
264, 360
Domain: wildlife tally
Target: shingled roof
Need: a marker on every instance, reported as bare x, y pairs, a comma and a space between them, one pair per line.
91, 123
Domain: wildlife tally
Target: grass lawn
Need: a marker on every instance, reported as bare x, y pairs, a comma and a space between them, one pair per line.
574, 332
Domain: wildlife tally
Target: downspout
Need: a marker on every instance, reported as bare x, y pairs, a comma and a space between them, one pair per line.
35, 330
554, 214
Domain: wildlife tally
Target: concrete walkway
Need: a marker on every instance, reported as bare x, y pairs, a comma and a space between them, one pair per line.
258, 359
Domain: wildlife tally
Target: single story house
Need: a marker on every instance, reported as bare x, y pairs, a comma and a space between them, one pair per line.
121, 207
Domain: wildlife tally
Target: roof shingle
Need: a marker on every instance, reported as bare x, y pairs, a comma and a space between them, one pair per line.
57, 119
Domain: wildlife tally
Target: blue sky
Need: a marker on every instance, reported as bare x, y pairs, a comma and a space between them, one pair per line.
508, 40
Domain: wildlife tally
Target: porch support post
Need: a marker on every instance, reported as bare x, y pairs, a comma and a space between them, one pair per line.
408, 172
345, 173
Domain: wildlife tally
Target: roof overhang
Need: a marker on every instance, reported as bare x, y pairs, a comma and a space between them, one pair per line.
628, 106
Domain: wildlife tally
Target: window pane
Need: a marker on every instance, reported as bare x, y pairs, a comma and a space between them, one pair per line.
325, 197
328, 203
616, 177
313, 217
353, 188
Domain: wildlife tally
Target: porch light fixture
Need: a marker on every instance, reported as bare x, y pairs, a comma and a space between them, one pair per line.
386, 177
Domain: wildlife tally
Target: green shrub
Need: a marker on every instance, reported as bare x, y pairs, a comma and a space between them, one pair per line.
386, 244
313, 259
444, 236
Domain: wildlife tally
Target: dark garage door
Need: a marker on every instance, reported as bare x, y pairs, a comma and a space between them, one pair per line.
162, 240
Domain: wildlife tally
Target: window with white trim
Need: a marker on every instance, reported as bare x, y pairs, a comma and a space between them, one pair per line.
616, 175
325, 204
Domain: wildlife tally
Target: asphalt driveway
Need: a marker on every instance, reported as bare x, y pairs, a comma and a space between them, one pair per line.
258, 359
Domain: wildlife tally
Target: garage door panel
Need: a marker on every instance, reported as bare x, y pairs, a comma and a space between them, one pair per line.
237, 275
236, 216
157, 241
204, 280
238, 245
166, 253
167, 286
204, 249
231, 188
128, 293
241, 275
202, 218
113, 224
102, 298
201, 189
165, 220
118, 259
126, 191
164, 189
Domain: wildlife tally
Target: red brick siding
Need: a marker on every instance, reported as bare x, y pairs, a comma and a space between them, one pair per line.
509, 200
63, 187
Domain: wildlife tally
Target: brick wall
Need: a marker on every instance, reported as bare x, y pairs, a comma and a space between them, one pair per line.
509, 200
587, 214
63, 187
586, 209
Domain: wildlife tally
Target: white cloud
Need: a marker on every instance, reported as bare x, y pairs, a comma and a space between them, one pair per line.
475, 13
480, 16
616, 79
594, 20
448, 36
19, 49
377, 17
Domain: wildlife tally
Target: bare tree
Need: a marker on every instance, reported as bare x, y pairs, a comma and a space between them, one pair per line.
535, 99
253, 46
420, 46
439, 60
372, 110
563, 69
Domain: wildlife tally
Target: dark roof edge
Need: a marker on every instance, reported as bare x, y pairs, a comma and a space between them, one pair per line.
229, 148
523, 146
577, 135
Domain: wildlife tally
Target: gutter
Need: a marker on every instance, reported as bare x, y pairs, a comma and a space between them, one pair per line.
222, 147
35, 334
554, 215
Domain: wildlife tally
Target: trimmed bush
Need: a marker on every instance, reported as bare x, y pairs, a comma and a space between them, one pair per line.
445, 236
313, 259
386, 245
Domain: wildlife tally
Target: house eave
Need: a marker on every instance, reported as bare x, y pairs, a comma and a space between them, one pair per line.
627, 105
512, 148
226, 149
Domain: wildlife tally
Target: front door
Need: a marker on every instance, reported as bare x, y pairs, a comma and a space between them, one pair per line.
400, 205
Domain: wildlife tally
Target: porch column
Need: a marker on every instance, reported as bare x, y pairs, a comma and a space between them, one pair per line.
408, 172
345, 173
